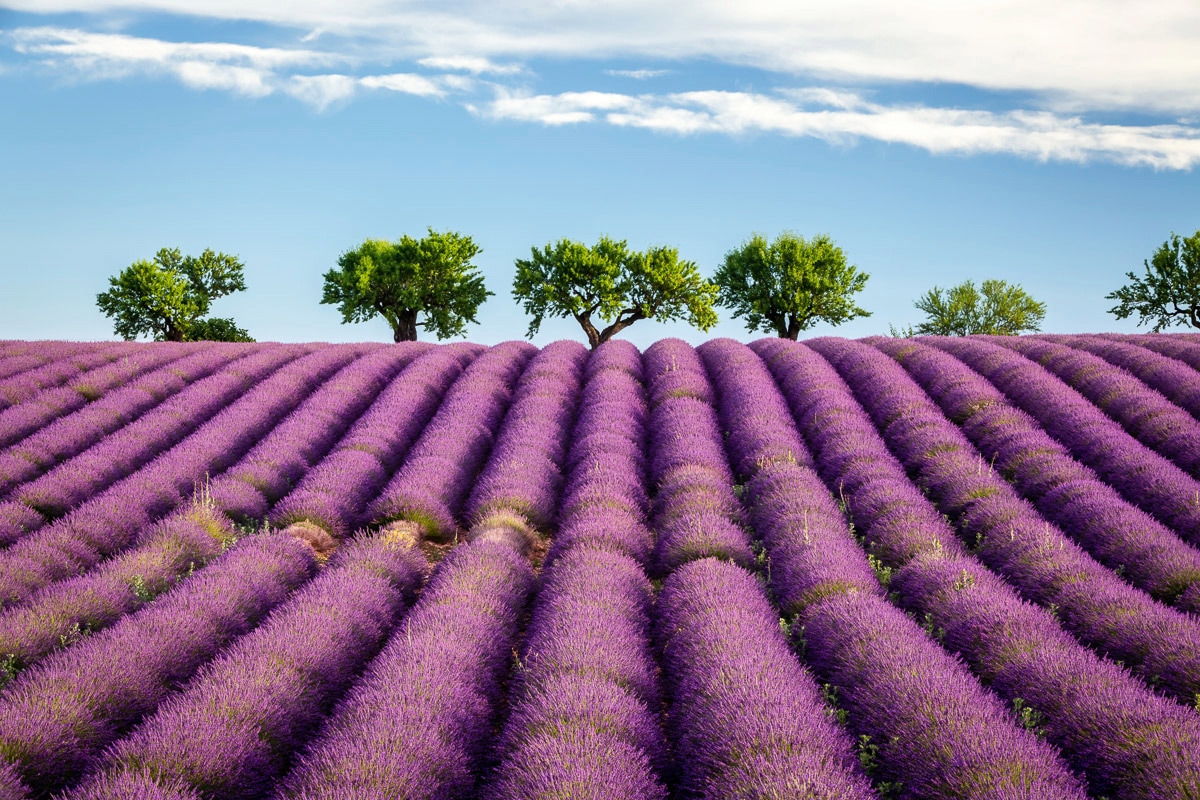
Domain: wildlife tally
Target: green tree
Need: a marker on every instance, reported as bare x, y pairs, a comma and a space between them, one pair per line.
1170, 292
614, 283
788, 285
168, 298
994, 308
398, 280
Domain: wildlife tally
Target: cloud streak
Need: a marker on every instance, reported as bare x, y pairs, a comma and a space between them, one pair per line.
844, 118
1073, 62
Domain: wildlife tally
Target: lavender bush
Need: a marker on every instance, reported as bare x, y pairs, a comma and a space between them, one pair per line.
58, 716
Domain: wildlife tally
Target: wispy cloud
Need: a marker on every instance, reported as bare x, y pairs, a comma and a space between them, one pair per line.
476, 65
1072, 63
841, 117
637, 74
1077, 55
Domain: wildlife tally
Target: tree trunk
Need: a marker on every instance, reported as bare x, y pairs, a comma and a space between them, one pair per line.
585, 322
405, 329
793, 328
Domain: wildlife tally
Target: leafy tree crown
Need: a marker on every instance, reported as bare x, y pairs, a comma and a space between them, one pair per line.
168, 297
1169, 293
994, 308
614, 283
789, 285
432, 276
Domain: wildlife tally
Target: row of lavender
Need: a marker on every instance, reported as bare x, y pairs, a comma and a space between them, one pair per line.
698, 517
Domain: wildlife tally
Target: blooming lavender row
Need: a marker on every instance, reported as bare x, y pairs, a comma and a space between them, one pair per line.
1116, 533
1161, 644
585, 703
27, 356
70, 483
696, 513
31, 383
432, 485
1177, 382
1175, 346
925, 724
111, 522
812, 552
58, 716
853, 460
1144, 413
746, 719
909, 535
416, 725
248, 489
1143, 477
335, 493
860, 644
235, 727
605, 503
1129, 742
50, 618
70, 435
524, 471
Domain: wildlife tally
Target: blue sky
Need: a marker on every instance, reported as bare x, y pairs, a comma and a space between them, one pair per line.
1052, 144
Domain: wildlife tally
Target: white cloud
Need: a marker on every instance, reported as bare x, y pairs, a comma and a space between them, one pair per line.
1070, 60
406, 83
476, 65
637, 74
846, 118
321, 91
1082, 55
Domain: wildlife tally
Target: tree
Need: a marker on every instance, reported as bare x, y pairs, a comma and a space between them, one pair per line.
167, 298
995, 308
398, 280
614, 283
788, 285
1170, 292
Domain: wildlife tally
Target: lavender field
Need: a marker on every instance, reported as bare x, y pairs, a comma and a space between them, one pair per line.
883, 568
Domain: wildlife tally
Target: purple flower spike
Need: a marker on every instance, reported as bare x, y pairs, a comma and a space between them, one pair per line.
57, 717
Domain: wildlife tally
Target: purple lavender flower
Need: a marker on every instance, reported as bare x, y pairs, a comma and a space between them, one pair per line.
233, 730
416, 724
335, 493
746, 719
57, 716
432, 485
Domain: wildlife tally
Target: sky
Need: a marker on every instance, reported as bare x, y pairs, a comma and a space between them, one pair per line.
1049, 143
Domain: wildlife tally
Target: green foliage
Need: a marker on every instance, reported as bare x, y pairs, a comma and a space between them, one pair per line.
1170, 292
218, 329
613, 282
1031, 719
398, 280
167, 298
995, 308
788, 285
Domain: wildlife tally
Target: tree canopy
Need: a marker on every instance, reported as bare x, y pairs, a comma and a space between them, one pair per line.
169, 297
1169, 294
994, 308
433, 277
614, 283
788, 285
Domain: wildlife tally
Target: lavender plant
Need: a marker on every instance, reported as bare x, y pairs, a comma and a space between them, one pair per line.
1143, 477
335, 494
1142, 412
53, 439
416, 724
1176, 381
1116, 533
1009, 536
432, 485
58, 716
110, 522
232, 731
